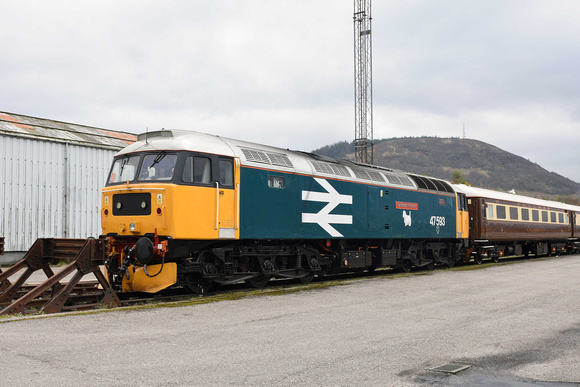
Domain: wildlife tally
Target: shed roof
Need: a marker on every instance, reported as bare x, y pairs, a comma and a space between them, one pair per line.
50, 130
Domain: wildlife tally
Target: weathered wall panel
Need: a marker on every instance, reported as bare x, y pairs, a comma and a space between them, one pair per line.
49, 189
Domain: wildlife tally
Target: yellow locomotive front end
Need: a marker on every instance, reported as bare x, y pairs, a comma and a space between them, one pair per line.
159, 206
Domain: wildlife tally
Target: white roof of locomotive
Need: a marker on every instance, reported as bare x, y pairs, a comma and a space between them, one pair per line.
487, 193
257, 155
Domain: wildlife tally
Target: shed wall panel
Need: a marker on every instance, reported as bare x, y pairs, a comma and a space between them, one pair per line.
49, 190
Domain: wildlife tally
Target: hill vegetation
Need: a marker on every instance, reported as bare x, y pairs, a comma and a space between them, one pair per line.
465, 160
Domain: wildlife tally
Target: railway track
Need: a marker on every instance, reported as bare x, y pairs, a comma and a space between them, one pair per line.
89, 295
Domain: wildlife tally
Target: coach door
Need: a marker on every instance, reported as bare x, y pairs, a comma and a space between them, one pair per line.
227, 186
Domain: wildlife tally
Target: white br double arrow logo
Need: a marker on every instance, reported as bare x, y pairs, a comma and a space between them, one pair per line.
323, 217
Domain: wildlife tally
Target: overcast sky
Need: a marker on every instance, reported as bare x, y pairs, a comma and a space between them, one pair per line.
281, 72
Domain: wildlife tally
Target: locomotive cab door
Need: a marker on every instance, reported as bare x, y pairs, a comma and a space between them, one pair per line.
227, 188
462, 217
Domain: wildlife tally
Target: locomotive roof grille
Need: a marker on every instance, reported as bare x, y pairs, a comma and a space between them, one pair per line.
258, 156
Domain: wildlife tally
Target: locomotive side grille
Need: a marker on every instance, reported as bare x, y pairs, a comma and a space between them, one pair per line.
322, 167
280, 160
258, 156
393, 179
359, 173
339, 170
375, 176
330, 169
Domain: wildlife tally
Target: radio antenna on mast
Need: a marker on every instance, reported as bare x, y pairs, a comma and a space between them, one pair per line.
363, 91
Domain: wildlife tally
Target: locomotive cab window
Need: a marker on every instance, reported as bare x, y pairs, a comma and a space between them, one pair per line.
124, 169
226, 173
157, 167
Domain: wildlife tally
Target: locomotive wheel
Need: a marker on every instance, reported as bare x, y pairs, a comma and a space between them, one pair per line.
478, 259
450, 264
495, 259
199, 287
430, 266
258, 282
307, 279
406, 266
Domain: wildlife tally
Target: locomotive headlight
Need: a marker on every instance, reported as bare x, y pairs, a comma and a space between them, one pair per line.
143, 204
119, 205
134, 226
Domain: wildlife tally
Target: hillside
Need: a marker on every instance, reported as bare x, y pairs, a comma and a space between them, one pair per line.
480, 164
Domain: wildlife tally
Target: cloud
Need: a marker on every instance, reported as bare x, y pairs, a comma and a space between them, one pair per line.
282, 72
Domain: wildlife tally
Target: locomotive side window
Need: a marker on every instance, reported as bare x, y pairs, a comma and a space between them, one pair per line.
187, 175
525, 214
513, 213
545, 216
553, 217
535, 215
501, 212
124, 169
276, 182
226, 173
197, 170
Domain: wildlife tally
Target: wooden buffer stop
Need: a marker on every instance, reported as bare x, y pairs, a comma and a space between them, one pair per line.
53, 296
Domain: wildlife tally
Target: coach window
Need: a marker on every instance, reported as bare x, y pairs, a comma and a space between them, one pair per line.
490, 210
552, 217
501, 212
545, 216
535, 215
226, 173
513, 213
525, 214
560, 218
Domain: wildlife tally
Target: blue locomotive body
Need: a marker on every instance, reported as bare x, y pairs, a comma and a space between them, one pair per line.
281, 205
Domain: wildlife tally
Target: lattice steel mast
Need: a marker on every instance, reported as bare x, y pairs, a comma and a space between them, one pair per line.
363, 98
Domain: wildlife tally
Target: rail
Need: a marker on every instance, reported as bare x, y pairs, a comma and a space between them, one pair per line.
86, 260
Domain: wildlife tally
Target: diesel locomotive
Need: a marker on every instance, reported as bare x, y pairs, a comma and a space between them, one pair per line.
182, 208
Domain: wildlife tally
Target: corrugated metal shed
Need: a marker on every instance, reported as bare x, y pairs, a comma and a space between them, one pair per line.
51, 174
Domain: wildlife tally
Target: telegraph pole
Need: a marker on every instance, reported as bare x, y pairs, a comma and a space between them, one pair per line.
363, 98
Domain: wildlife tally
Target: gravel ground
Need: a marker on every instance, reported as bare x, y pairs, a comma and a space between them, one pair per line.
516, 325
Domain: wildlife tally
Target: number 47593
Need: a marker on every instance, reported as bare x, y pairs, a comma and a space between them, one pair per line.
437, 221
